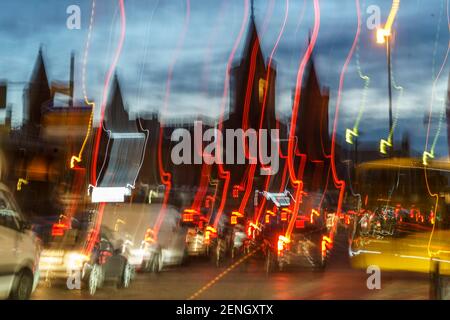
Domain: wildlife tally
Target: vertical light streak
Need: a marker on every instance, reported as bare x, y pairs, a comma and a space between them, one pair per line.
350, 133
223, 174
96, 228
298, 89
341, 183
433, 91
430, 154
388, 141
106, 90
249, 184
205, 175
78, 158
166, 177
298, 184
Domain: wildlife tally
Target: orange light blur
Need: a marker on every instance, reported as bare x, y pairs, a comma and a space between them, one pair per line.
233, 220
149, 236
313, 213
282, 243
270, 212
237, 214
383, 33
207, 237
188, 217
326, 241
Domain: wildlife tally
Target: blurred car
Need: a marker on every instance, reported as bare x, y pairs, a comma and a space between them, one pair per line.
204, 240
304, 239
149, 249
19, 251
196, 243
240, 242
66, 258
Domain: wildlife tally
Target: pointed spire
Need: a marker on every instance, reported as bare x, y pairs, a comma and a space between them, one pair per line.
252, 10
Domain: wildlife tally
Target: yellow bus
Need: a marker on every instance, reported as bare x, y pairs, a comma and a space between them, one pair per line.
404, 220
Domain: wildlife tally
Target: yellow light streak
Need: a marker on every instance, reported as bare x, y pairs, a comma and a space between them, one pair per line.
383, 33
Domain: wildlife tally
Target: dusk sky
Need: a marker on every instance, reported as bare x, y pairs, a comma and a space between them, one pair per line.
153, 29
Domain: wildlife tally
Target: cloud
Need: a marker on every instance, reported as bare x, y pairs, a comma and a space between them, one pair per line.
196, 85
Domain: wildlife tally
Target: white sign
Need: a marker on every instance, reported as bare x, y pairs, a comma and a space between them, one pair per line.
109, 194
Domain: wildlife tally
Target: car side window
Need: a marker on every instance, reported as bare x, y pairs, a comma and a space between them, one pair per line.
105, 245
8, 216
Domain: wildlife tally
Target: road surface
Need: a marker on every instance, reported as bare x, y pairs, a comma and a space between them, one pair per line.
200, 279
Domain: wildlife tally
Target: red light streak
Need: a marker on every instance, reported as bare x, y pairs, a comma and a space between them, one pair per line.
165, 176
296, 181
298, 89
341, 183
249, 184
96, 229
225, 175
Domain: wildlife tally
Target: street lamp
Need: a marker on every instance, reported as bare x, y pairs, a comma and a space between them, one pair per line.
384, 36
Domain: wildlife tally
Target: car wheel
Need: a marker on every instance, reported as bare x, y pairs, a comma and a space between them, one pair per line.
126, 276
270, 262
233, 253
220, 252
23, 286
146, 265
318, 257
156, 263
93, 281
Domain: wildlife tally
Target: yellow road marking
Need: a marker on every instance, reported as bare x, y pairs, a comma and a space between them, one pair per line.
221, 275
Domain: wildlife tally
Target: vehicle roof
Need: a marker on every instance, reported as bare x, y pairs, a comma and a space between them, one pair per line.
406, 163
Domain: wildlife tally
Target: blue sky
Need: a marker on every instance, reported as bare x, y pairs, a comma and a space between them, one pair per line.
154, 27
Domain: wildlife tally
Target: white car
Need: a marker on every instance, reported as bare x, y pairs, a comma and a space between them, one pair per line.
19, 251
134, 223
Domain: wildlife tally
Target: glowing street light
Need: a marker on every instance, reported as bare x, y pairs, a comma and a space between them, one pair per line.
384, 36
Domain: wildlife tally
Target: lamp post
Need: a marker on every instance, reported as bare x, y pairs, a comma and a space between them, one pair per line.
384, 36
388, 53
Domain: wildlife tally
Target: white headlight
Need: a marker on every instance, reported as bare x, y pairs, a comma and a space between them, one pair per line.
75, 260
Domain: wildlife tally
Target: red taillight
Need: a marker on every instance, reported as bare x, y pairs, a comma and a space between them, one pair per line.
58, 229
299, 224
